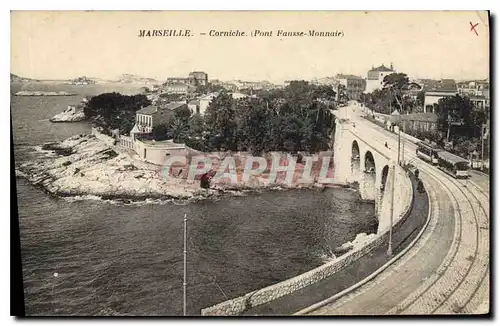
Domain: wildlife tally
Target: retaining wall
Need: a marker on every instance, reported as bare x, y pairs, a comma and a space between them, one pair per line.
403, 194
239, 305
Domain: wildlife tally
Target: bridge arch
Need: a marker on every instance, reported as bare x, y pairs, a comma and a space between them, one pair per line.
369, 177
369, 160
355, 158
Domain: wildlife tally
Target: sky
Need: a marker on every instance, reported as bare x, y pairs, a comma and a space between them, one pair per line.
105, 44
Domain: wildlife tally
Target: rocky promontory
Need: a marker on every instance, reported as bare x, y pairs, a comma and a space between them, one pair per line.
71, 114
83, 165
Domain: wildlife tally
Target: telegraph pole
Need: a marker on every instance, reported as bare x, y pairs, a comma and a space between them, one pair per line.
389, 249
482, 147
184, 284
403, 147
399, 141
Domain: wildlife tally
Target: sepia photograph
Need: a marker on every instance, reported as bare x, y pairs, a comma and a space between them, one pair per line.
250, 163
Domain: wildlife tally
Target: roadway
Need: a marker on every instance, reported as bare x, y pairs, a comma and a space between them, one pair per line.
447, 270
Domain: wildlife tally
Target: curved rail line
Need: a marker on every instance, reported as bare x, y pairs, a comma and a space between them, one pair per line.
448, 261
443, 178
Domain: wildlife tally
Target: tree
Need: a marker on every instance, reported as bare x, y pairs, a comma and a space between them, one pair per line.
183, 113
114, 110
220, 122
455, 111
399, 85
196, 125
209, 88
179, 130
160, 132
421, 98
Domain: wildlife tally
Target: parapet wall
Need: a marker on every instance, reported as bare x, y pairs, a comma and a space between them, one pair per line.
239, 305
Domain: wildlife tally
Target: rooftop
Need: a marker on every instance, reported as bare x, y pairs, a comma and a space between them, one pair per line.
150, 109
381, 68
440, 93
174, 105
342, 76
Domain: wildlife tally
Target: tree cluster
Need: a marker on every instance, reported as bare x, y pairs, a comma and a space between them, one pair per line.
115, 111
296, 118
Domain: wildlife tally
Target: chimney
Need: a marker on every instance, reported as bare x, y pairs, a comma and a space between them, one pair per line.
392, 67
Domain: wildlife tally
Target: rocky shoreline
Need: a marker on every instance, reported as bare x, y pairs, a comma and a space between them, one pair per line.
43, 93
82, 165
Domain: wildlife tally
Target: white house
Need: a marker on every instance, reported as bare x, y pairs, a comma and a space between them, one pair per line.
375, 77
205, 101
432, 98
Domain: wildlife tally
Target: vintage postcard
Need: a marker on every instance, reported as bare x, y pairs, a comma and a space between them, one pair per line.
251, 163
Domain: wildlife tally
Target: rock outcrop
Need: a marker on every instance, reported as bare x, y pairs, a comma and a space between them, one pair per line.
71, 114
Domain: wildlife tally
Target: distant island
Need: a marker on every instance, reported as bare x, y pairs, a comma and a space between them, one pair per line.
40, 93
129, 79
84, 80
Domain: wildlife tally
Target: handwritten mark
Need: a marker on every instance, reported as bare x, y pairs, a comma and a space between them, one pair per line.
473, 28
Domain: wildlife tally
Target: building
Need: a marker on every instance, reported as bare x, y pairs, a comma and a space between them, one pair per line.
237, 96
152, 115
477, 91
472, 87
354, 85
480, 101
230, 87
198, 78
178, 80
375, 77
205, 102
177, 88
194, 106
432, 98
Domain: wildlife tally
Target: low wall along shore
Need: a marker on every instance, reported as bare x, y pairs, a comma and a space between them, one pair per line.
402, 207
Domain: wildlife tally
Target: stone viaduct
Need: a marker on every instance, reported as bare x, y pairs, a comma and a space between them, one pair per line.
358, 159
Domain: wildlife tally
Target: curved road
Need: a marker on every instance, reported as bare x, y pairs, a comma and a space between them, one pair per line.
447, 270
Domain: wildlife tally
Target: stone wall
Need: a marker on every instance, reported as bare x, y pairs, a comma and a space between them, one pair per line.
403, 195
342, 150
367, 186
239, 305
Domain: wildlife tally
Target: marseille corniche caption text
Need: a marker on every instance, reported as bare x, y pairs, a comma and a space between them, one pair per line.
236, 33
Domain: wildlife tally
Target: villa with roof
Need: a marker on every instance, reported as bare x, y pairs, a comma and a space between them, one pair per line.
152, 115
375, 77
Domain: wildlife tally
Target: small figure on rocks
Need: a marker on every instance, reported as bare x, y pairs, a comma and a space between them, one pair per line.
206, 178
386, 145
417, 173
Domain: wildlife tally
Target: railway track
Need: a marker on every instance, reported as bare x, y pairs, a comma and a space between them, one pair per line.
461, 283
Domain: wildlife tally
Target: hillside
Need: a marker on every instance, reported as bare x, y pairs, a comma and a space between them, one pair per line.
17, 79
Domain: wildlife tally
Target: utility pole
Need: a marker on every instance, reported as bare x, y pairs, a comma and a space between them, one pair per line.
399, 141
482, 147
184, 284
403, 146
389, 249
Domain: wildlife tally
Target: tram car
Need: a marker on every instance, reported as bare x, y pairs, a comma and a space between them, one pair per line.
428, 152
453, 165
